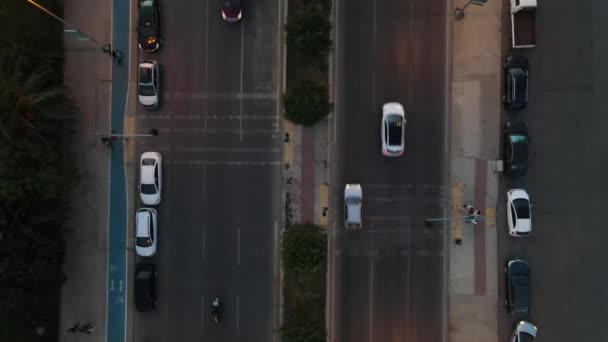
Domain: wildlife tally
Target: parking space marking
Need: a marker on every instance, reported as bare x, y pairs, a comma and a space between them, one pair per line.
226, 149
198, 162
216, 131
219, 96
257, 117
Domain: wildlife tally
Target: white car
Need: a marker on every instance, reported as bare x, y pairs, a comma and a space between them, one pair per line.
150, 178
519, 213
145, 232
392, 129
148, 84
353, 199
524, 332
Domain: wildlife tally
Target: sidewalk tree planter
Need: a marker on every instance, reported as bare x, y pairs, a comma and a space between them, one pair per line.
306, 103
302, 329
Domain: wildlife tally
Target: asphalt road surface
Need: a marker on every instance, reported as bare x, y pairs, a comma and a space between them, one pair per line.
388, 279
219, 137
566, 180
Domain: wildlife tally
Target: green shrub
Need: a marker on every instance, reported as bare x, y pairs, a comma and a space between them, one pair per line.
304, 249
308, 30
306, 103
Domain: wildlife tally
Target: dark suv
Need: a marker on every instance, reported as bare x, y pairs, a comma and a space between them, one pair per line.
516, 82
517, 276
145, 287
516, 148
148, 25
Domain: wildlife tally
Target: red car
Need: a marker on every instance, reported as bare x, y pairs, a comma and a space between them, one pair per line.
232, 11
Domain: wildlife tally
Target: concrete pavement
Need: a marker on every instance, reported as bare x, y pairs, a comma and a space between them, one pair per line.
475, 133
87, 75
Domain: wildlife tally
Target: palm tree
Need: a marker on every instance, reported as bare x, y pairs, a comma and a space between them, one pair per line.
33, 105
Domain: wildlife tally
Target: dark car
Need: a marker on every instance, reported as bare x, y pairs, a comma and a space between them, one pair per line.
145, 287
516, 148
517, 275
148, 25
516, 82
232, 11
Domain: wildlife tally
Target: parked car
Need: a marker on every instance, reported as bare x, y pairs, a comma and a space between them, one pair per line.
148, 84
150, 178
145, 287
232, 11
148, 25
353, 200
523, 332
516, 148
519, 213
516, 82
146, 232
517, 276
392, 129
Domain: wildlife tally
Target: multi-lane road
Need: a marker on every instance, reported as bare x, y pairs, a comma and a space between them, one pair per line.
388, 278
219, 137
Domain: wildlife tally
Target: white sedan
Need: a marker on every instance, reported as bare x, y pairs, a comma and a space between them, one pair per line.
519, 213
145, 232
392, 129
150, 178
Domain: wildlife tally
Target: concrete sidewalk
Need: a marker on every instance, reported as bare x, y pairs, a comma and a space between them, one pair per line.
87, 76
476, 107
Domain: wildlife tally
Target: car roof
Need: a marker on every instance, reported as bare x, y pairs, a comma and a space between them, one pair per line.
143, 218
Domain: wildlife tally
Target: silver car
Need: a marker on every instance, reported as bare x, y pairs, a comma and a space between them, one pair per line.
524, 332
392, 129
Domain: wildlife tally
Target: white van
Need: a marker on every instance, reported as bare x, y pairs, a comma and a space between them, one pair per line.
353, 200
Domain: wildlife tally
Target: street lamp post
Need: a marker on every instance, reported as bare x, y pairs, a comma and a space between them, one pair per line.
104, 47
459, 12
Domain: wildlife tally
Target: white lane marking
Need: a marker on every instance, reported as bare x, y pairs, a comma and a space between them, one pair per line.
204, 181
202, 311
238, 246
203, 243
333, 280
371, 296
237, 313
242, 73
374, 24
206, 67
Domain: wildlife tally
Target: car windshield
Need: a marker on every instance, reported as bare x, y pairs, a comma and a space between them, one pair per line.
522, 207
146, 90
525, 337
520, 147
144, 241
395, 127
148, 162
148, 189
